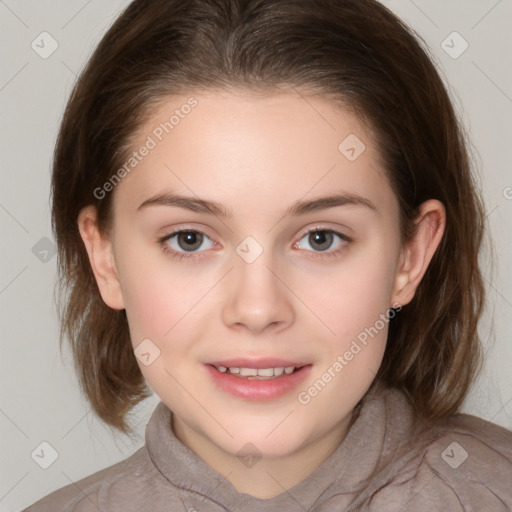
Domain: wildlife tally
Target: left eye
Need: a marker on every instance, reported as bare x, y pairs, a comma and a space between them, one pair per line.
187, 241
321, 240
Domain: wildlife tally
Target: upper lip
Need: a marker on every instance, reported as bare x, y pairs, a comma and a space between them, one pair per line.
267, 362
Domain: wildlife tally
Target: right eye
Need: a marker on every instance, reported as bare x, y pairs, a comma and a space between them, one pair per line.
185, 243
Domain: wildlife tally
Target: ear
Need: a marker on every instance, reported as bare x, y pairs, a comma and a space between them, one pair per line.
418, 252
101, 256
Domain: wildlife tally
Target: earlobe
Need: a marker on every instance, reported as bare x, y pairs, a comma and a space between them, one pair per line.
101, 257
418, 252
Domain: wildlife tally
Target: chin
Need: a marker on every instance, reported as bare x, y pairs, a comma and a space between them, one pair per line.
260, 441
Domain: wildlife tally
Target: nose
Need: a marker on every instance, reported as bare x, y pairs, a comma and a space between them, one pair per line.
257, 298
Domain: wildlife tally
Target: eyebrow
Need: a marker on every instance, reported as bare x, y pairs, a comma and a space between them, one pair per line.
196, 204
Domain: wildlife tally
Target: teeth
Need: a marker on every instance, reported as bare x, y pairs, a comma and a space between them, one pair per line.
260, 372
248, 372
266, 372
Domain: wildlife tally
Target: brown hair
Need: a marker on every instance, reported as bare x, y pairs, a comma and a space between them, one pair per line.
352, 51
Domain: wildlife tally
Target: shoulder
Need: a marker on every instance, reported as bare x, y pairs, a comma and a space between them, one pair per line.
110, 489
462, 463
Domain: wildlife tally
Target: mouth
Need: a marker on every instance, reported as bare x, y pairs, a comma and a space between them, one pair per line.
269, 373
262, 379
262, 368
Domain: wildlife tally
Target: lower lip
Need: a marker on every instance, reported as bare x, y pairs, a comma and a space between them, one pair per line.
256, 389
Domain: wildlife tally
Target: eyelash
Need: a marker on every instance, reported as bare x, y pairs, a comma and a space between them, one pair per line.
193, 255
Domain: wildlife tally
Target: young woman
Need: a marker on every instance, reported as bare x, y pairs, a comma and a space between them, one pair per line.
265, 213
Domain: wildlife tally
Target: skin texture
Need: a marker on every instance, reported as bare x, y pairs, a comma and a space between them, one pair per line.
257, 156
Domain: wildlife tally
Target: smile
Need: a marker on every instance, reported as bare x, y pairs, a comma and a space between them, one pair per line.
258, 373
268, 382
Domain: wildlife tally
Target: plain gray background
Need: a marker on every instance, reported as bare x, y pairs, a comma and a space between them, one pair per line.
40, 399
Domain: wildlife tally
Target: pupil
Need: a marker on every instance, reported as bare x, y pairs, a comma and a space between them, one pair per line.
323, 239
191, 240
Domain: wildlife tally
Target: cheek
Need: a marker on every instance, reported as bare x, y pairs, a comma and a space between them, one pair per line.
157, 297
353, 302
353, 295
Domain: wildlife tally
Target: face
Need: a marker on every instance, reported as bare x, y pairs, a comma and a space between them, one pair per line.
281, 251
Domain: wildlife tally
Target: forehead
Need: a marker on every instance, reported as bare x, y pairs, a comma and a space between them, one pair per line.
242, 148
